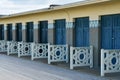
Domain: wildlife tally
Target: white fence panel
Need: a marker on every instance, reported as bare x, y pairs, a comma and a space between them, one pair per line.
24, 49
12, 47
57, 53
81, 56
110, 61
3, 46
39, 51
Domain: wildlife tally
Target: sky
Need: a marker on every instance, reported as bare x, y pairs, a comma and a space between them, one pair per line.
16, 6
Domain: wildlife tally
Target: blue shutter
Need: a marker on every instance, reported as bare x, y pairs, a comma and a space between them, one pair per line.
19, 32
116, 31
31, 37
81, 32
86, 31
1, 32
43, 32
29, 32
9, 32
78, 32
110, 26
106, 23
27, 40
60, 32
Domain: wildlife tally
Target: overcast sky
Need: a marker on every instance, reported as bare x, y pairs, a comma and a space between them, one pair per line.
16, 6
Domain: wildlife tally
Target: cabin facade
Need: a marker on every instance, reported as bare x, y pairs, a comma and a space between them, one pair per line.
84, 33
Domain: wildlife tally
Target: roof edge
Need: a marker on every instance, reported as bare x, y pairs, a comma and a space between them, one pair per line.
75, 4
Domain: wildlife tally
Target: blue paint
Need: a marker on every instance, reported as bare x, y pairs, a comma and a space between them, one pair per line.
43, 32
116, 31
60, 32
9, 32
114, 61
81, 56
110, 32
58, 53
81, 32
29, 32
19, 32
106, 23
1, 32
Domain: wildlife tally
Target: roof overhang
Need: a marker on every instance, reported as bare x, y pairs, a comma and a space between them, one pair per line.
80, 3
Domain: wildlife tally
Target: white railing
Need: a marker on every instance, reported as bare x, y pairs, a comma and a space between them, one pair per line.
110, 61
12, 47
3, 46
39, 51
81, 56
57, 53
24, 49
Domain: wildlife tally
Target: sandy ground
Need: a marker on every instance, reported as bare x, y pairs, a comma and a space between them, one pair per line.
14, 68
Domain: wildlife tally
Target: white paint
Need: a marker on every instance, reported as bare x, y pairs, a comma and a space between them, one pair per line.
22, 46
106, 59
12, 47
3, 47
52, 53
87, 54
36, 54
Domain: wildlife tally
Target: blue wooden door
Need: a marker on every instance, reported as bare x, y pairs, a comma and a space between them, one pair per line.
19, 32
81, 32
1, 32
110, 32
60, 32
43, 32
9, 32
116, 31
29, 32
106, 27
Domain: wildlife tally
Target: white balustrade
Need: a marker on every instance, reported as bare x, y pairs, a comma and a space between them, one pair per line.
24, 49
12, 47
39, 51
110, 61
3, 46
81, 56
57, 53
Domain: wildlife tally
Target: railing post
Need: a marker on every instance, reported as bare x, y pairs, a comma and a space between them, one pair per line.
67, 54
19, 48
8, 48
91, 54
48, 53
32, 51
102, 62
71, 57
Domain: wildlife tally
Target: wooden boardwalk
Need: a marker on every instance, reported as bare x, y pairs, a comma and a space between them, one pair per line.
14, 68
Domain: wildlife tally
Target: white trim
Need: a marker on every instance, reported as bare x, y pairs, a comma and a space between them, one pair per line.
23, 27
94, 23
50, 25
35, 26
69, 24
13, 27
